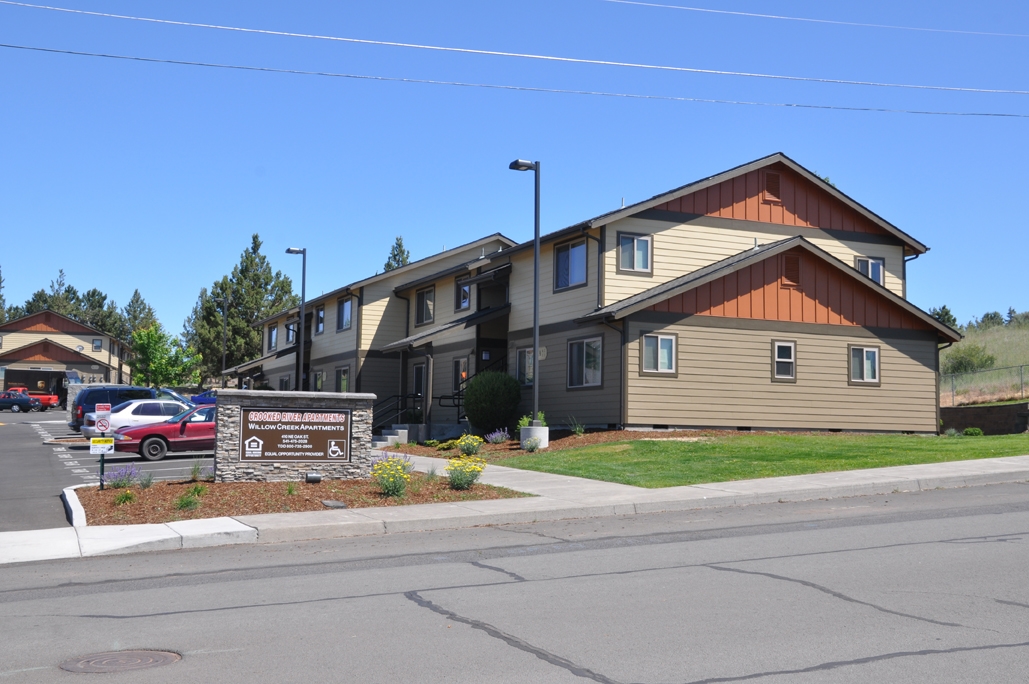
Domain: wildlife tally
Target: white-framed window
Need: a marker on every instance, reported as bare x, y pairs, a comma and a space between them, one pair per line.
319, 320
523, 362
284, 383
585, 362
318, 382
864, 365
425, 305
462, 296
344, 309
570, 265
343, 379
784, 360
658, 353
873, 268
98, 345
273, 336
634, 252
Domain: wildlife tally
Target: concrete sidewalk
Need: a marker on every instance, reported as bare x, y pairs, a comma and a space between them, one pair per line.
557, 497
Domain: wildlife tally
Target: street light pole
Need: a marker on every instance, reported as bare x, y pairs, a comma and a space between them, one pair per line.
522, 165
303, 298
224, 301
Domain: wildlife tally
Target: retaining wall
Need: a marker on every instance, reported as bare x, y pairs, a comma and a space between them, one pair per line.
1005, 419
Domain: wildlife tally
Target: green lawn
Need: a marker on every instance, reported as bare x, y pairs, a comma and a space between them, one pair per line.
647, 463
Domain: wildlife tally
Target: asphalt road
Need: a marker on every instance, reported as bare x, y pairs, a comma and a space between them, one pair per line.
923, 587
32, 474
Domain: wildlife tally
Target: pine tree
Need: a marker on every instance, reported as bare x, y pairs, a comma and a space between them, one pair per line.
103, 314
943, 315
254, 292
138, 314
398, 256
3, 302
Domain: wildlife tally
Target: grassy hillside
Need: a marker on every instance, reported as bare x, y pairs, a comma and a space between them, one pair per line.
1010, 345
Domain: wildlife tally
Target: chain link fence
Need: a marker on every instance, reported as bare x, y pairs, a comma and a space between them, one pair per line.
980, 387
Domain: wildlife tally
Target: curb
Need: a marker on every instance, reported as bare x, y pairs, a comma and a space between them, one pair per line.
81, 540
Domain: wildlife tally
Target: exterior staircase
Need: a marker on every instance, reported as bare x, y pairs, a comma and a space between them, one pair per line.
388, 438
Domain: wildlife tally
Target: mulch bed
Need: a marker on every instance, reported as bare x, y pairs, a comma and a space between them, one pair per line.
563, 439
157, 503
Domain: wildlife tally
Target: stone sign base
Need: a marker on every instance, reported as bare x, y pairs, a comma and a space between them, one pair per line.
292, 417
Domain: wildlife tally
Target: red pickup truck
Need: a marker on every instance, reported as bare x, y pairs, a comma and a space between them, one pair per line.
45, 400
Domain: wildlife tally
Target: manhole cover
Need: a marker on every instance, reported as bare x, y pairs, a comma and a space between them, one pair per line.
120, 661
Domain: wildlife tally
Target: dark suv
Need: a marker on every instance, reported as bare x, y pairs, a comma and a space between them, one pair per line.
87, 399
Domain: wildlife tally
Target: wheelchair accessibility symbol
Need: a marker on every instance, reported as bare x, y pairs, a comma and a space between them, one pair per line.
337, 449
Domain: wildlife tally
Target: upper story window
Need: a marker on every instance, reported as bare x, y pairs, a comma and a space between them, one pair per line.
273, 336
291, 333
462, 296
658, 353
344, 308
634, 253
872, 267
570, 265
425, 305
319, 320
98, 345
864, 365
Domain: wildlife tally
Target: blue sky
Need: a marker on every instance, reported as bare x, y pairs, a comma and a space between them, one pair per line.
153, 176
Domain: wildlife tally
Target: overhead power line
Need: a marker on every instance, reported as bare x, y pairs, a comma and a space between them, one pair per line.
495, 86
522, 55
820, 21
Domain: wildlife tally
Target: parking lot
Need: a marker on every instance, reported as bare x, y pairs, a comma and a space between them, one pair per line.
32, 474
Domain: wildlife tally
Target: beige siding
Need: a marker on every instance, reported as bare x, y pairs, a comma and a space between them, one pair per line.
724, 380
14, 340
682, 249
555, 307
333, 341
276, 369
561, 404
443, 310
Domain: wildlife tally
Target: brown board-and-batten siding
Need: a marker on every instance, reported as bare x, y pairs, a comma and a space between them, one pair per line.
725, 329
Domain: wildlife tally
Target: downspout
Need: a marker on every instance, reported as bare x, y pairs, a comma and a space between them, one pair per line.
904, 275
624, 375
939, 420
359, 360
600, 265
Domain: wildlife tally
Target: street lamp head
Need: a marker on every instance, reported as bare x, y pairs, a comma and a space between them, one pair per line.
521, 165
295, 250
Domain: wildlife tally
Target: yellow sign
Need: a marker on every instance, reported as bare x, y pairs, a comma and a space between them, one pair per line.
101, 445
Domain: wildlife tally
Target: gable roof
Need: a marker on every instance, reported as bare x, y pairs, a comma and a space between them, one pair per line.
43, 321
690, 281
392, 273
42, 347
656, 201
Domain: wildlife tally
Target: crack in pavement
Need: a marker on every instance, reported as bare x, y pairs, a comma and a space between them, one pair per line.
836, 594
832, 665
1012, 603
511, 640
506, 572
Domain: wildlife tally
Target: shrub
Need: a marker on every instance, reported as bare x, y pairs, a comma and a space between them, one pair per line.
532, 444
491, 400
207, 474
122, 477
973, 432
196, 470
469, 444
291, 488
447, 445
197, 490
498, 436
124, 497
146, 480
431, 442
968, 357
578, 428
187, 502
951, 432
392, 474
526, 421
464, 471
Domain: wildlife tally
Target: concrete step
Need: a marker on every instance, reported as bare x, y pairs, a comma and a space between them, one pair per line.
388, 438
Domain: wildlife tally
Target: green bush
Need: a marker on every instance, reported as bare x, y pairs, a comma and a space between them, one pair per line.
469, 444
968, 357
465, 471
525, 421
491, 400
973, 432
125, 497
431, 442
447, 445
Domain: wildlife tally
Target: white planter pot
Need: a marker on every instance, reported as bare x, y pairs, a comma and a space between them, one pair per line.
541, 433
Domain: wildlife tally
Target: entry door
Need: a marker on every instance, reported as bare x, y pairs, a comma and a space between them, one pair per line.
418, 386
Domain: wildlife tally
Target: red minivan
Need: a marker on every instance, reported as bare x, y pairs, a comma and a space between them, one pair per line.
191, 430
